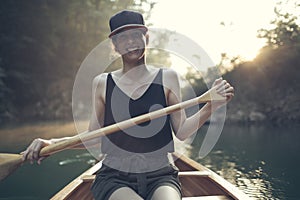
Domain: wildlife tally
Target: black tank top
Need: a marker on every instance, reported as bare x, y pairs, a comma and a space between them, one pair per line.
154, 137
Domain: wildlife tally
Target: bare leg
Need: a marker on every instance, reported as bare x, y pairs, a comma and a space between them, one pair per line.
166, 193
125, 193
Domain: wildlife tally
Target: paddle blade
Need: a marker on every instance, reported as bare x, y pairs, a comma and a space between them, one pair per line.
9, 163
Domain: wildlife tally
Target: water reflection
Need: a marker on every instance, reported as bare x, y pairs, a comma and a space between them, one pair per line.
35, 182
247, 157
253, 182
262, 161
79, 158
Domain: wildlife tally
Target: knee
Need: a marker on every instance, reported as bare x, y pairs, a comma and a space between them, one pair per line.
124, 192
166, 192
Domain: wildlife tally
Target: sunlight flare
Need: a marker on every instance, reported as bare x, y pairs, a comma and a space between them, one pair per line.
217, 26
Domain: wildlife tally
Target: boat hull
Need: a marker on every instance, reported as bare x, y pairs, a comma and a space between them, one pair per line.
198, 182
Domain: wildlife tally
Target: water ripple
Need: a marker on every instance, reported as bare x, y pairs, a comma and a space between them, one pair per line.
252, 179
79, 158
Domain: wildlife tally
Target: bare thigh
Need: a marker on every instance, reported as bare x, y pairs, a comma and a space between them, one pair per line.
125, 193
165, 193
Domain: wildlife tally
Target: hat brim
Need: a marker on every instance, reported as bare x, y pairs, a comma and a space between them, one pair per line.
127, 26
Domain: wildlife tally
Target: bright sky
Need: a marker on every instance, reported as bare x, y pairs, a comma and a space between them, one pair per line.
217, 25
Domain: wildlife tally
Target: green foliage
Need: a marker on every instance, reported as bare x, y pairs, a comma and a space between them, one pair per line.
270, 83
196, 80
157, 56
286, 29
267, 88
42, 44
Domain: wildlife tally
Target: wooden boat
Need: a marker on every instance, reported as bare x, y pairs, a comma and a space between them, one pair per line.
198, 183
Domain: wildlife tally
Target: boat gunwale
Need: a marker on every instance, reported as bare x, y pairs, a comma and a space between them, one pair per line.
67, 191
228, 187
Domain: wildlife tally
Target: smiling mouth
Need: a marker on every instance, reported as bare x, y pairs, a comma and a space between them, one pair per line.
131, 49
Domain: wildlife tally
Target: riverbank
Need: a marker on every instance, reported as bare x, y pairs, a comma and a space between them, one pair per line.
14, 134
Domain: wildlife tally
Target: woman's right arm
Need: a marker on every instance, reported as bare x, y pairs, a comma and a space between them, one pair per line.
96, 122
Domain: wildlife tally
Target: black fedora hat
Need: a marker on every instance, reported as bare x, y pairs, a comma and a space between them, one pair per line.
126, 19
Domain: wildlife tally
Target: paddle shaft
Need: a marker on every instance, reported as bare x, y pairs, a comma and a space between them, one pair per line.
210, 95
10, 162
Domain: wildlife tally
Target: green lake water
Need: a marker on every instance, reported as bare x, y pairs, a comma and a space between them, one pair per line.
260, 160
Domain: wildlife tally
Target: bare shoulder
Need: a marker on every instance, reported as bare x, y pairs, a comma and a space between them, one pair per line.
170, 76
171, 85
100, 80
99, 84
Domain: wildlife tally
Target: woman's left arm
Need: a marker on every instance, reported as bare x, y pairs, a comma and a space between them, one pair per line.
183, 126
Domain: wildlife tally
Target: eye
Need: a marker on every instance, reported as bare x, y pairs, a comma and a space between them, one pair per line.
137, 34
123, 37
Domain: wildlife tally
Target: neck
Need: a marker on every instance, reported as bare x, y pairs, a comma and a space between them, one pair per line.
134, 72
128, 65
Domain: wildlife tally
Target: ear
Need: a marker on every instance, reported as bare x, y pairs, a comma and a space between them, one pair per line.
116, 50
115, 45
147, 38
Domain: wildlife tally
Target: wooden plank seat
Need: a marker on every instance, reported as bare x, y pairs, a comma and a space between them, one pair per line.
88, 178
194, 173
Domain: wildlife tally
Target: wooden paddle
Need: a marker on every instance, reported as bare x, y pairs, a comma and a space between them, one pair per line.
10, 162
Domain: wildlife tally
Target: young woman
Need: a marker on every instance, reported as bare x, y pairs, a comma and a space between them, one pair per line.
137, 165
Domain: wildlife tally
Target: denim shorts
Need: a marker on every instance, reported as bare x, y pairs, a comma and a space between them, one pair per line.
109, 180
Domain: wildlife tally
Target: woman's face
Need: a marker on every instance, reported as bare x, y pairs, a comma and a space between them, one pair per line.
130, 44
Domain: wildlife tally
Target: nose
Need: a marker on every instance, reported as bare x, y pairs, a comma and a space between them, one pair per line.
130, 40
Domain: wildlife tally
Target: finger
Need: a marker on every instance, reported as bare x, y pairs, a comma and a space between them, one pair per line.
31, 153
221, 85
217, 81
227, 90
41, 159
226, 95
229, 96
229, 99
230, 90
25, 154
36, 151
30, 157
